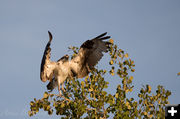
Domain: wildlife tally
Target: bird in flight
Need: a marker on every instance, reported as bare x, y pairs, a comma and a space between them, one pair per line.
90, 52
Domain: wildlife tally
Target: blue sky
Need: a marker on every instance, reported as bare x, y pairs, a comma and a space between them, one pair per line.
148, 30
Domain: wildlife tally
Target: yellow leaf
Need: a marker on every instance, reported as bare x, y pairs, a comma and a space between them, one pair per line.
112, 74
111, 62
150, 116
149, 88
116, 95
82, 83
127, 90
145, 113
90, 90
178, 73
113, 101
126, 55
133, 70
131, 78
30, 113
111, 41
62, 105
46, 95
128, 105
31, 103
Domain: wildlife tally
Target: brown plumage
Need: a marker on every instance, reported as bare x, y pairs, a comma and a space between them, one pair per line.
88, 56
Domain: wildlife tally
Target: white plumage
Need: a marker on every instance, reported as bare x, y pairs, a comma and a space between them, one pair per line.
88, 56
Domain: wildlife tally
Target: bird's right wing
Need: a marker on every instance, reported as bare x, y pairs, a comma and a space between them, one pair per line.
90, 52
47, 66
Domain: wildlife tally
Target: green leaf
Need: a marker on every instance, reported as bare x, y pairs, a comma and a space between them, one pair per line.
30, 113
92, 98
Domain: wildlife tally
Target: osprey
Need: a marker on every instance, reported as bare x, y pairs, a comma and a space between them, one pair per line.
89, 54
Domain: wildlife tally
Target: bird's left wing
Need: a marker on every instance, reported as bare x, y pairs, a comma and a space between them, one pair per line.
47, 66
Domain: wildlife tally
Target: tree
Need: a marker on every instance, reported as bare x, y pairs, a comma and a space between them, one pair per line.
87, 98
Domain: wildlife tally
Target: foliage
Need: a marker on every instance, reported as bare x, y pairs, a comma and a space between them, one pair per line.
178, 73
87, 98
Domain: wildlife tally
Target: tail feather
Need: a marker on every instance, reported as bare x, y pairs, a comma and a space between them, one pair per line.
51, 85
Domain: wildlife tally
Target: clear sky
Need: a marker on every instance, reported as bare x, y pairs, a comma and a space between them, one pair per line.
149, 30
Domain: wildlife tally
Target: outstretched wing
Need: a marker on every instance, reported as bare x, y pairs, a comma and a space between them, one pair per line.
98, 47
89, 54
47, 66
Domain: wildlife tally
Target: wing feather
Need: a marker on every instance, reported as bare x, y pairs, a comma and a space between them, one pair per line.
96, 53
89, 54
46, 65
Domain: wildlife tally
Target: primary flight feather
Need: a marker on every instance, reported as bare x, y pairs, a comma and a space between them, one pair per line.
90, 52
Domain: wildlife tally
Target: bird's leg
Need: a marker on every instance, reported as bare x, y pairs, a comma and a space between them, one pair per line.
59, 89
63, 88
